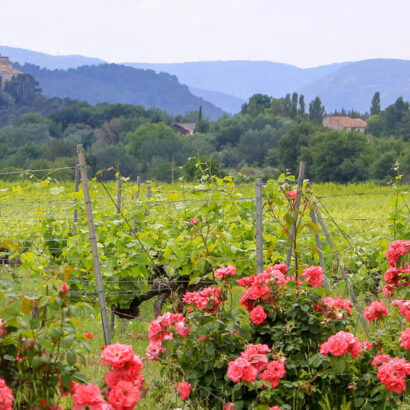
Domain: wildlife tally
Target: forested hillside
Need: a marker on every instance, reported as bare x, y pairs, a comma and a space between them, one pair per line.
270, 135
114, 83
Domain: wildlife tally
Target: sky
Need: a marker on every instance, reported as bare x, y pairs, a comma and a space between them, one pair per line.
305, 33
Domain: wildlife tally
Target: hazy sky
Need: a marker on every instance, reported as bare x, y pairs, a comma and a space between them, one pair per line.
305, 33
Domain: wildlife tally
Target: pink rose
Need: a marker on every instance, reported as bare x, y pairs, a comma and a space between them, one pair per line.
275, 371
64, 288
225, 271
184, 390
366, 345
6, 396
396, 250
291, 194
258, 315
88, 395
379, 359
314, 275
256, 355
376, 310
241, 370
124, 395
392, 374
182, 330
404, 306
193, 221
405, 338
117, 355
342, 343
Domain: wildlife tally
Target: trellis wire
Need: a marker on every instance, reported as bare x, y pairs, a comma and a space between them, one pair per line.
131, 202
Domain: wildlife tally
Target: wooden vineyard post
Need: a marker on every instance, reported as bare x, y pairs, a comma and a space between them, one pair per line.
319, 247
342, 271
137, 195
77, 187
149, 196
93, 242
259, 225
119, 186
139, 186
301, 176
172, 170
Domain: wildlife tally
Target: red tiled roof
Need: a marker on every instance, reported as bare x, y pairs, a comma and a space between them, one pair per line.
347, 122
189, 126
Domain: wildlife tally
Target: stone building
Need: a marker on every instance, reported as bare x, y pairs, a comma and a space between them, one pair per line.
344, 123
7, 72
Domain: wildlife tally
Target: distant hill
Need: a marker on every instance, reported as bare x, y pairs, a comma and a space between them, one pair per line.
227, 102
353, 85
114, 83
243, 78
227, 84
43, 60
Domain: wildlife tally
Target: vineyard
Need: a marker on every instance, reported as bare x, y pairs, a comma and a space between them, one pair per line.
157, 242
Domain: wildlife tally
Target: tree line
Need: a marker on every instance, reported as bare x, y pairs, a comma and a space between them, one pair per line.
268, 136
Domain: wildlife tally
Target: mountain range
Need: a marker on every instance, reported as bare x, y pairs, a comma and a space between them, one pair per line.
228, 84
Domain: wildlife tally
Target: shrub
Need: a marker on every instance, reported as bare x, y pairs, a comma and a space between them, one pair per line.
286, 343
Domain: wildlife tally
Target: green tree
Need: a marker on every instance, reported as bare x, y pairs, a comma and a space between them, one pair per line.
254, 144
294, 105
375, 108
339, 156
292, 143
109, 133
375, 125
302, 105
153, 140
23, 88
392, 116
316, 110
288, 106
257, 105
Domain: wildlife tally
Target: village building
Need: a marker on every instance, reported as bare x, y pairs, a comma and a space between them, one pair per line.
7, 72
187, 128
344, 123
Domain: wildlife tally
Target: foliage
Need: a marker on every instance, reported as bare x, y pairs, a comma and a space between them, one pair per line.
270, 135
228, 358
340, 156
201, 168
316, 110
41, 346
375, 108
121, 84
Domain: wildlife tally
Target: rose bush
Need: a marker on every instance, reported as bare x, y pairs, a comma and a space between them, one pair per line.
281, 341
41, 353
40, 345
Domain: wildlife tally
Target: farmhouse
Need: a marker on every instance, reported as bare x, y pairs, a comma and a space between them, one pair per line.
341, 123
7, 72
186, 128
